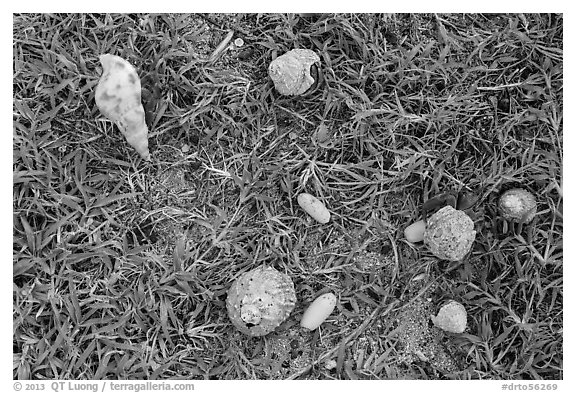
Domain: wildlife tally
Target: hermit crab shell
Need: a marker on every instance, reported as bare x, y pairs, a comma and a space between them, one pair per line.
260, 300
291, 72
517, 205
451, 317
118, 96
449, 234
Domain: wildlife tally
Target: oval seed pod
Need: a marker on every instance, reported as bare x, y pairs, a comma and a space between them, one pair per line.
314, 207
118, 96
414, 232
318, 311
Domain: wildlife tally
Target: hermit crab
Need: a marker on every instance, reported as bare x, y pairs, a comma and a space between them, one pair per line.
118, 96
260, 300
296, 72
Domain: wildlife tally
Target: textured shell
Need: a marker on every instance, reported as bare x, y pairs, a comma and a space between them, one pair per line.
451, 317
314, 207
118, 96
449, 234
414, 232
266, 290
517, 205
318, 311
291, 71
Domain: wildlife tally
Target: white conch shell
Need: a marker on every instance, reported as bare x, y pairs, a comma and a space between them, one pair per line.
118, 96
291, 71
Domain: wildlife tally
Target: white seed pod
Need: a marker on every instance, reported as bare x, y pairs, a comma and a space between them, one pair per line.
517, 205
118, 96
314, 207
414, 232
318, 311
449, 234
291, 72
451, 317
260, 300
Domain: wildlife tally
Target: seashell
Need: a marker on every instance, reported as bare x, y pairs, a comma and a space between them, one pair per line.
318, 311
517, 205
292, 72
451, 317
414, 232
314, 207
118, 96
449, 234
260, 300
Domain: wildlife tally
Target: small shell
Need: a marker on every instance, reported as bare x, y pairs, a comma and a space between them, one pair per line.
314, 207
291, 72
260, 300
318, 311
451, 317
414, 232
517, 205
449, 234
118, 96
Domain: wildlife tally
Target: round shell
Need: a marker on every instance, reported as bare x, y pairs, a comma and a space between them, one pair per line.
318, 311
449, 234
291, 72
260, 300
517, 205
451, 317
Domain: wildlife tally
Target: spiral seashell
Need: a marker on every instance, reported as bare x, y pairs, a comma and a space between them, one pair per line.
260, 300
118, 97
